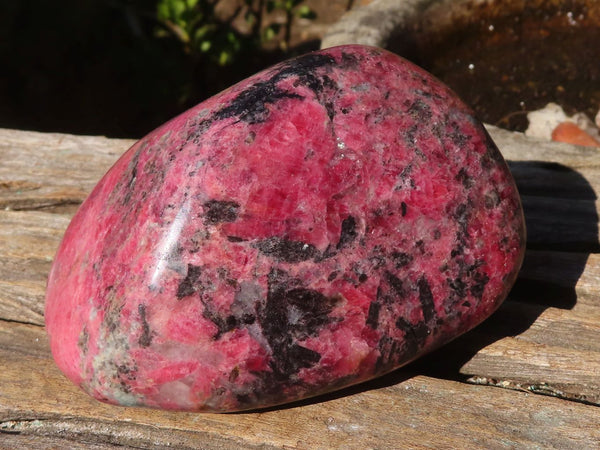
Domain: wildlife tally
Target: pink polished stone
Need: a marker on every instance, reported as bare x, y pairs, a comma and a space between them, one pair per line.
316, 225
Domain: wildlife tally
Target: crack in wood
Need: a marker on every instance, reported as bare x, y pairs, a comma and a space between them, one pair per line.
38, 205
21, 322
130, 435
18, 186
535, 388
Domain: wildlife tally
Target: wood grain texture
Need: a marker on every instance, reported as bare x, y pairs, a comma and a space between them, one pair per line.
52, 170
480, 391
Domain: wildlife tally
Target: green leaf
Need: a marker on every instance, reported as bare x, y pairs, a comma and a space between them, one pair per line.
178, 7
202, 32
231, 37
225, 57
271, 32
250, 17
163, 10
205, 46
304, 12
289, 4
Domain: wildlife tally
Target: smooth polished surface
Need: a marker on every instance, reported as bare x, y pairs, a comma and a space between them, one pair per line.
317, 225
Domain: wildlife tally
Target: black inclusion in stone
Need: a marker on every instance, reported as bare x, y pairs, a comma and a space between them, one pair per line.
373, 315
492, 200
395, 283
223, 324
300, 357
292, 313
348, 233
191, 283
250, 105
458, 286
304, 66
401, 259
146, 337
480, 280
417, 332
305, 69
312, 311
464, 178
462, 215
420, 110
133, 173
414, 335
83, 341
330, 87
426, 299
389, 353
217, 211
286, 250
349, 61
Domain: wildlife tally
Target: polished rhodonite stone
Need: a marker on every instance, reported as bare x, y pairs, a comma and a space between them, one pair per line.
316, 225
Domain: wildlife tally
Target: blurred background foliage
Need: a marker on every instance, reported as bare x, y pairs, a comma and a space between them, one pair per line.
122, 67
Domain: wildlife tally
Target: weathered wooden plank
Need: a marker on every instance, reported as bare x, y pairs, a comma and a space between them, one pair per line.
23, 339
541, 368
51, 170
518, 147
567, 372
58, 432
411, 411
16, 439
574, 329
28, 241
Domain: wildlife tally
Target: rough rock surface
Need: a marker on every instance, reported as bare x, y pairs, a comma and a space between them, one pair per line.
319, 224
